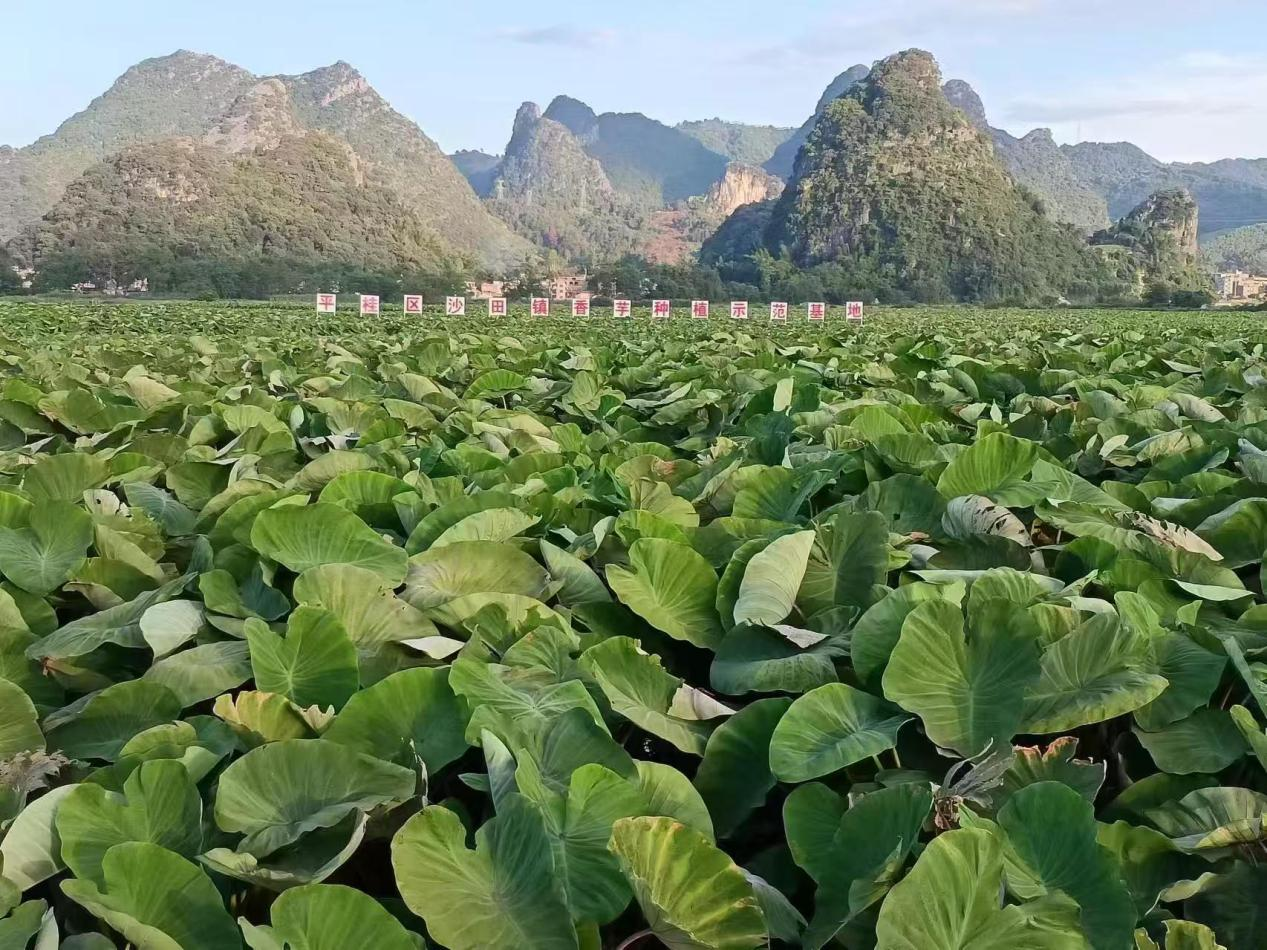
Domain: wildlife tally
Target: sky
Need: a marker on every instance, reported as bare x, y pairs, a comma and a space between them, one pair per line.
1185, 81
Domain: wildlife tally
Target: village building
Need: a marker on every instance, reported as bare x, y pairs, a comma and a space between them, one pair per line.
567, 286
485, 289
562, 287
1238, 285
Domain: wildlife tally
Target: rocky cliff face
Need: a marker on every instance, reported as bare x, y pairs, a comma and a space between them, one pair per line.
259, 119
1172, 214
741, 185
1156, 244
549, 189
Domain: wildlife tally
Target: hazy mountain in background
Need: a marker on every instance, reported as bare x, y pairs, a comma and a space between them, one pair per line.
555, 194
784, 157
594, 187
1242, 249
1231, 193
181, 94
1038, 163
1090, 183
649, 161
750, 144
479, 168
188, 95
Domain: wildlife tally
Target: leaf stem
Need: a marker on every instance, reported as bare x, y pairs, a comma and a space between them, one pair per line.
630, 941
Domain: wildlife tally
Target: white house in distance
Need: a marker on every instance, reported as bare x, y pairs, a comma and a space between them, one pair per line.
563, 287
1238, 285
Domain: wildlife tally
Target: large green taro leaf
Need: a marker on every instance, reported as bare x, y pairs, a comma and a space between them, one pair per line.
314, 664
410, 713
370, 613
203, 672
30, 851
831, 728
19, 722
1051, 837
1212, 821
581, 823
159, 804
42, 556
734, 776
641, 690
781, 659
515, 701
853, 853
967, 692
157, 900
100, 725
312, 535
767, 593
877, 631
848, 561
1100, 670
671, 587
996, 466
444, 573
120, 625
693, 895
281, 790
503, 893
950, 900
309, 860
328, 917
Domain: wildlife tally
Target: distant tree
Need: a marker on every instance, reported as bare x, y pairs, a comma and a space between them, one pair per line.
10, 282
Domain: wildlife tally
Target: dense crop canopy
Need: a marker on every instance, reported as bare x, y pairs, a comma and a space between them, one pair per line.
943, 634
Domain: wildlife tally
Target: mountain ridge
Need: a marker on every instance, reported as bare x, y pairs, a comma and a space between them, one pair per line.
193, 95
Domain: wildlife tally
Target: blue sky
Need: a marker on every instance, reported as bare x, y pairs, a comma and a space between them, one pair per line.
1187, 81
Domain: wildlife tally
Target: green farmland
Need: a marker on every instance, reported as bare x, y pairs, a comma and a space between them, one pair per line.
329, 631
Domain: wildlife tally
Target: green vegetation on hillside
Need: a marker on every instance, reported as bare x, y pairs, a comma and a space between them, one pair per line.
190, 217
338, 100
188, 95
1036, 162
1160, 241
1242, 249
648, 161
739, 142
553, 193
897, 186
940, 633
181, 94
783, 161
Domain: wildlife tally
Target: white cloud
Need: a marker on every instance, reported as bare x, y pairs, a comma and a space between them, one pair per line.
560, 35
1197, 106
897, 25
1042, 111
